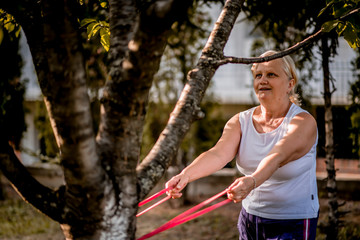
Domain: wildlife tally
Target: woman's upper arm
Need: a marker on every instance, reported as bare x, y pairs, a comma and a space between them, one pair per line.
228, 144
299, 139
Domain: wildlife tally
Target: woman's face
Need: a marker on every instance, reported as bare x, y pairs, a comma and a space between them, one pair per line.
271, 82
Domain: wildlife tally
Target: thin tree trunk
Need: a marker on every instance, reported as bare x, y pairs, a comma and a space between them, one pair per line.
332, 230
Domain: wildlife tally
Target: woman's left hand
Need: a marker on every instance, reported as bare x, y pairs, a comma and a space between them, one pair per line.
240, 188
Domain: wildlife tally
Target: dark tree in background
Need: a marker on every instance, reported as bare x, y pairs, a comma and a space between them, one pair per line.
355, 108
12, 122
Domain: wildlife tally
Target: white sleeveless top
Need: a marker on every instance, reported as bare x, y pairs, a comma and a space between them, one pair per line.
291, 192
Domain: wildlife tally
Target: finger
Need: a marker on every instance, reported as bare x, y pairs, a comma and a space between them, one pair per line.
176, 195
237, 197
234, 184
237, 201
172, 182
182, 183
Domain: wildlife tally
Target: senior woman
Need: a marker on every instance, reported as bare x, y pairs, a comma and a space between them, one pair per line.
274, 145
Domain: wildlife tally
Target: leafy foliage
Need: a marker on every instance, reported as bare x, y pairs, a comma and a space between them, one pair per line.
346, 19
97, 26
8, 23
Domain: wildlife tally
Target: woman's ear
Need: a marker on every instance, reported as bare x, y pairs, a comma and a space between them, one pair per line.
291, 84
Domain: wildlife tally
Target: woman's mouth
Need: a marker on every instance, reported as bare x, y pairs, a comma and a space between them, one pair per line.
264, 89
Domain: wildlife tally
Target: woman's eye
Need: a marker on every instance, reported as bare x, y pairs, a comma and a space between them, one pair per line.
271, 75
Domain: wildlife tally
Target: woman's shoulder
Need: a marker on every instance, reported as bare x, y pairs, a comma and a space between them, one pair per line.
303, 118
296, 110
233, 123
246, 113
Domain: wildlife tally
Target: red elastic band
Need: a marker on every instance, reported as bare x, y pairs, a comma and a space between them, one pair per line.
154, 205
149, 199
156, 195
189, 215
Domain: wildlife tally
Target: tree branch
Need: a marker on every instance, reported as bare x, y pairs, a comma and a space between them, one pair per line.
288, 51
350, 13
48, 201
187, 108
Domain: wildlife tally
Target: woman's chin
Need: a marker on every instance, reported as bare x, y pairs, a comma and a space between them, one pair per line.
263, 97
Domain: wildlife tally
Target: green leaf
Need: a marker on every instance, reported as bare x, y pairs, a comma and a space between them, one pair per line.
104, 24
355, 119
330, 25
351, 36
104, 3
91, 28
342, 11
86, 21
95, 30
1, 35
326, 7
17, 33
9, 26
341, 28
105, 39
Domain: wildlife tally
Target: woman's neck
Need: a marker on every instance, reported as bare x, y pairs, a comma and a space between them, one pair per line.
272, 111
267, 119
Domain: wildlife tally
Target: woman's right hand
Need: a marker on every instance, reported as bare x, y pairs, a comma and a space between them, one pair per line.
177, 183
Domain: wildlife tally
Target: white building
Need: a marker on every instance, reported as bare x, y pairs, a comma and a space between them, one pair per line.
30, 138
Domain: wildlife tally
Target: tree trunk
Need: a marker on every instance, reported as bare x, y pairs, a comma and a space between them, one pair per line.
332, 228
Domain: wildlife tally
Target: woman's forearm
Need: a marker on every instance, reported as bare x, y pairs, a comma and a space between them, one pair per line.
266, 168
204, 165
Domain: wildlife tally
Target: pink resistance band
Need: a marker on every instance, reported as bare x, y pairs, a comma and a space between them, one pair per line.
185, 216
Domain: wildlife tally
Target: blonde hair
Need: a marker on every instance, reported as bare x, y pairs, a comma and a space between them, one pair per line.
290, 71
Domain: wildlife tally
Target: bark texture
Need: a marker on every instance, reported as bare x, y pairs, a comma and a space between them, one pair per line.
332, 231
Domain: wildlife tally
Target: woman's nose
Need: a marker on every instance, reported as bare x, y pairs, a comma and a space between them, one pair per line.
264, 81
